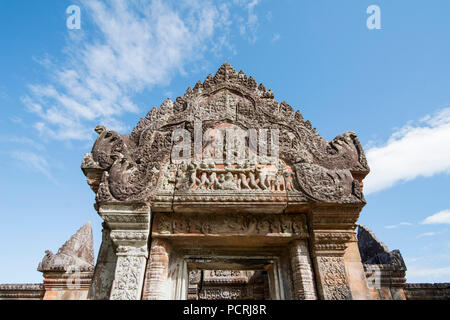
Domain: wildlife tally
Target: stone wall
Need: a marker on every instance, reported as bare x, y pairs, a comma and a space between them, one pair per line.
427, 291
21, 291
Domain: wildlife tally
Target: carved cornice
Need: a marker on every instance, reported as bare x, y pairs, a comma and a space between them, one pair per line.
74, 279
334, 217
21, 291
331, 243
126, 216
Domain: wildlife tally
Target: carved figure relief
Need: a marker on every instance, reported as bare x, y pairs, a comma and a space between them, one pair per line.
242, 224
134, 167
209, 177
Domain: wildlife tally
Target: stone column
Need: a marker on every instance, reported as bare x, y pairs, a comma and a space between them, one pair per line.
129, 226
332, 228
302, 272
157, 284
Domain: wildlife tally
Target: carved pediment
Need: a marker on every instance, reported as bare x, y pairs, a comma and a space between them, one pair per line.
140, 167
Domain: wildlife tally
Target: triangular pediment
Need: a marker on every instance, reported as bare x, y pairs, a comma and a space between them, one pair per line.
138, 165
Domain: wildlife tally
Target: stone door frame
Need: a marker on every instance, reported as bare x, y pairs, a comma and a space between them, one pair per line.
271, 264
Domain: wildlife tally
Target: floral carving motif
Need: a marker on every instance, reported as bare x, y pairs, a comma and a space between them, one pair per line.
129, 271
333, 278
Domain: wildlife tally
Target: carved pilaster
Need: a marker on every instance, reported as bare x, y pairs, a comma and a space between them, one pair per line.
332, 229
302, 273
129, 225
156, 284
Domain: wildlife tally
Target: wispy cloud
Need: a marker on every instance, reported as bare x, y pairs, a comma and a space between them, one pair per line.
399, 225
427, 234
416, 150
3, 93
34, 162
133, 46
442, 217
21, 141
250, 26
275, 37
429, 274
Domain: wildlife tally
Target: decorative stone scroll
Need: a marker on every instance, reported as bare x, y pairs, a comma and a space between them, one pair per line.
129, 225
225, 224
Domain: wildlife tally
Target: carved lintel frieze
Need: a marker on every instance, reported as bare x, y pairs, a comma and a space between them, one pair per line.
293, 225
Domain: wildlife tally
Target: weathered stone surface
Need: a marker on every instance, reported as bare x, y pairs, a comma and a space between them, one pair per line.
76, 254
218, 217
427, 291
21, 291
128, 226
68, 273
137, 167
385, 270
373, 251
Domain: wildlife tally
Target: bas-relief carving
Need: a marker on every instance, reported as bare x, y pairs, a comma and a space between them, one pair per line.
334, 282
236, 224
138, 167
221, 293
127, 283
128, 228
133, 164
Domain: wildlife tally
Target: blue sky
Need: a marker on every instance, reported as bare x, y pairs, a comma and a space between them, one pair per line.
390, 86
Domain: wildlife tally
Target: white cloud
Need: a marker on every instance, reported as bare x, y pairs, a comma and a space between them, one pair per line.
21, 140
3, 93
34, 162
399, 225
427, 234
250, 26
416, 150
275, 37
429, 274
133, 46
442, 217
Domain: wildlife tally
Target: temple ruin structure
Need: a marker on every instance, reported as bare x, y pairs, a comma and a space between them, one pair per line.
191, 211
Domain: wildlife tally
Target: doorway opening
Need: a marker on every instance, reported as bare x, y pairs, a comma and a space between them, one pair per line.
228, 285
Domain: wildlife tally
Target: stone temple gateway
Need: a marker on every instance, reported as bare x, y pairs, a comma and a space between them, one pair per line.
163, 221
208, 228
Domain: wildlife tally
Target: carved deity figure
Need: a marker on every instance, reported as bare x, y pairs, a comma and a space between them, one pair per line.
289, 186
262, 177
229, 183
193, 174
204, 181
279, 182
